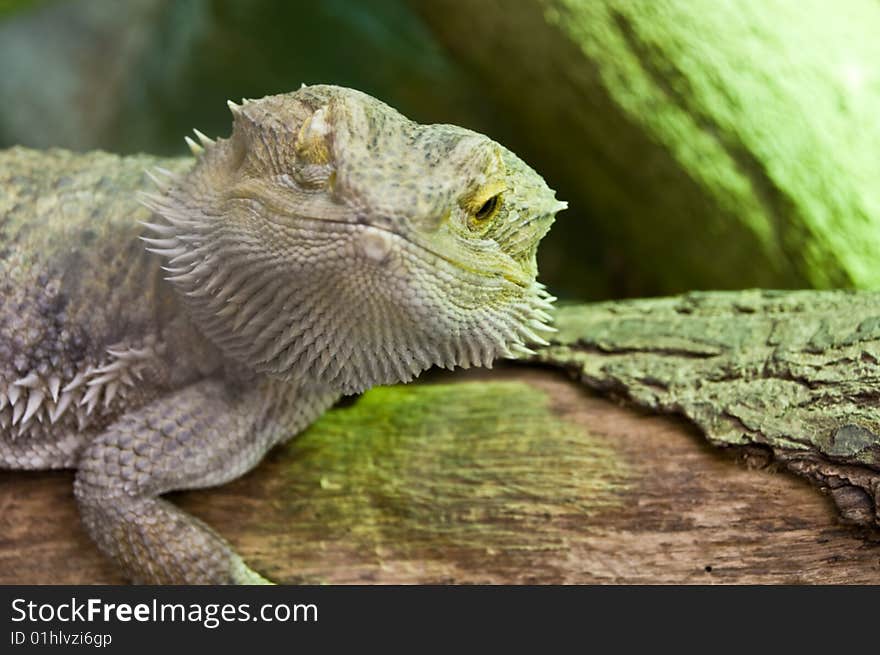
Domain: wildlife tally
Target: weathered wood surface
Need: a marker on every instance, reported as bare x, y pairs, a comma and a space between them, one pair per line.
512, 475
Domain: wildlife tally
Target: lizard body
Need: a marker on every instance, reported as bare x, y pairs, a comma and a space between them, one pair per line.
328, 245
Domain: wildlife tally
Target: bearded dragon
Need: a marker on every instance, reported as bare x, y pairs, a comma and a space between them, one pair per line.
166, 339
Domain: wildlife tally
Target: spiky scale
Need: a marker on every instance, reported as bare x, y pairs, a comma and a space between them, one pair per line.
160, 243
102, 379
110, 392
17, 413
13, 393
90, 397
75, 383
161, 230
34, 402
151, 201
541, 326
204, 140
194, 147
63, 403
93, 402
174, 270
160, 184
123, 361
54, 384
30, 381
520, 349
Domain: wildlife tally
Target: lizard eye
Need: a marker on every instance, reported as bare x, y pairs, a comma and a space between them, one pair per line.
488, 209
482, 205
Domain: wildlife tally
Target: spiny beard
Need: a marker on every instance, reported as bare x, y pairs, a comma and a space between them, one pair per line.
340, 326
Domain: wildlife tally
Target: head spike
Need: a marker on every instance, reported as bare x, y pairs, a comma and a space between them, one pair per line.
205, 141
194, 147
234, 108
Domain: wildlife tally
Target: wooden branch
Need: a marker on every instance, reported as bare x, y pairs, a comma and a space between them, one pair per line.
794, 373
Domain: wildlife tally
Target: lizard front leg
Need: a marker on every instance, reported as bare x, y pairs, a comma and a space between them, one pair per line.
204, 435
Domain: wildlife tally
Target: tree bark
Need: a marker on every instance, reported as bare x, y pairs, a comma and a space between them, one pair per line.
794, 373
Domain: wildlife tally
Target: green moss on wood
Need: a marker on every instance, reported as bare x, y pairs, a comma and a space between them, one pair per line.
428, 470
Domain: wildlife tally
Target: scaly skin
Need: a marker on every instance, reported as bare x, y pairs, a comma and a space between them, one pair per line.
328, 245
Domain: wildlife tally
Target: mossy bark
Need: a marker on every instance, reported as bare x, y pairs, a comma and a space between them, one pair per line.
796, 373
703, 144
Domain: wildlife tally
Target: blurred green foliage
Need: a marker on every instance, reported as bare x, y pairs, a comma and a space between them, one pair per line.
137, 75
9, 6
716, 144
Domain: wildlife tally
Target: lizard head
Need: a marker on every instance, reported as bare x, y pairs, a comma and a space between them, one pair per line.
331, 239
